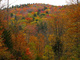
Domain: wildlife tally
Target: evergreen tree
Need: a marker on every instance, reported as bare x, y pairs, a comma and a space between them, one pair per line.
58, 49
7, 37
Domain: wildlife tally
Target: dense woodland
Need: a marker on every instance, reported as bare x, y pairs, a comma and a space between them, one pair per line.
40, 32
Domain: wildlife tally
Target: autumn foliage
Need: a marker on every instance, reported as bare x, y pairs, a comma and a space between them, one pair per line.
40, 32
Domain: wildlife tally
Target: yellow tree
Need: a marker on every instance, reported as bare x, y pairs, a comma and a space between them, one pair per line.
74, 31
71, 35
48, 53
39, 43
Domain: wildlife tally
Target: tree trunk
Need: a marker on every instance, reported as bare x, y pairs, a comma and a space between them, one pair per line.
77, 1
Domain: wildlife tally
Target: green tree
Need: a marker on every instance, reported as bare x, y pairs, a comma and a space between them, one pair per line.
6, 35
11, 14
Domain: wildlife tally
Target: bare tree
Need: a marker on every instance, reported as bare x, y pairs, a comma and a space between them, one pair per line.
77, 1
72, 1
7, 9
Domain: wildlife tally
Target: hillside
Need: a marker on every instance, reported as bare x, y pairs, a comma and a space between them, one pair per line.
40, 32
32, 14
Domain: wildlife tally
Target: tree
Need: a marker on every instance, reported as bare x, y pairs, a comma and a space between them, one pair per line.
38, 12
77, 1
7, 39
4, 52
19, 44
39, 44
73, 27
48, 53
74, 1
58, 48
11, 14
42, 27
32, 46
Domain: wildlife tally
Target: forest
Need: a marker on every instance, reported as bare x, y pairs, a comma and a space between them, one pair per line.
40, 32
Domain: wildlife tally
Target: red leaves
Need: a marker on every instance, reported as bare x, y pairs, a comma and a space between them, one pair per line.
9, 18
28, 18
27, 49
57, 22
32, 13
28, 52
1, 31
47, 15
31, 29
3, 41
37, 17
18, 14
63, 11
5, 21
42, 11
